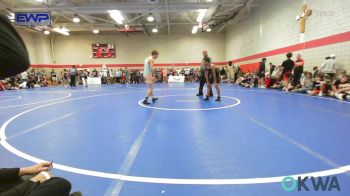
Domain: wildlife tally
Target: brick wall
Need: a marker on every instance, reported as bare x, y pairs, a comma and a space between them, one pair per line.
273, 26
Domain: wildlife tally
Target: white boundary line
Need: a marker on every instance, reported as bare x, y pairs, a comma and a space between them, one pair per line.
290, 93
19, 153
18, 97
191, 109
56, 99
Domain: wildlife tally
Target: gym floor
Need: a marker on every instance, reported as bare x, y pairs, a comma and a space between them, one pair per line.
106, 143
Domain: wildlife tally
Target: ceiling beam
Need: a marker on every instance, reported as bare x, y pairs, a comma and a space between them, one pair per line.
167, 15
125, 7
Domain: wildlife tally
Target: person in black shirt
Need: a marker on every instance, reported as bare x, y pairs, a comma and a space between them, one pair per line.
73, 76
222, 72
202, 79
287, 70
272, 68
212, 76
341, 88
261, 72
53, 77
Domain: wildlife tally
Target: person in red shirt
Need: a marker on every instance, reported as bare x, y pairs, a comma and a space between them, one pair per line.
268, 80
298, 70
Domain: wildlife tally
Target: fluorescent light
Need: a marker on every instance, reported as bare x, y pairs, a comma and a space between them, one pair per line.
155, 30
76, 19
63, 31
116, 15
46, 32
150, 18
96, 31
201, 15
208, 29
194, 29
209, 0
39, 1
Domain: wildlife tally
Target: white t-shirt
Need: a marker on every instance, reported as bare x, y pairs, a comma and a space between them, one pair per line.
118, 73
24, 75
111, 73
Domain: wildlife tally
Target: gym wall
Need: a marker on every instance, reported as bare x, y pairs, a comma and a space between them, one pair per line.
273, 27
38, 46
76, 48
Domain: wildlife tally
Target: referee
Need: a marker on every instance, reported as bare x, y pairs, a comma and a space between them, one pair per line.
202, 80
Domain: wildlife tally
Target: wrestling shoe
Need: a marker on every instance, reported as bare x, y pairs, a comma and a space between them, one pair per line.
218, 99
154, 99
206, 98
199, 94
145, 102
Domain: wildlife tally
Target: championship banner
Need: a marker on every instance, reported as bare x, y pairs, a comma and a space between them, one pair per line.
103, 51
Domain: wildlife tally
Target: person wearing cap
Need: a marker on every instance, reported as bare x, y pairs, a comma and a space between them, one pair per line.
328, 67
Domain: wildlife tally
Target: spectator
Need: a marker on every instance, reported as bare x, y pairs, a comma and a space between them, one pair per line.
73, 76
329, 67
85, 77
261, 72
222, 73
24, 76
126, 76
111, 76
272, 68
306, 84
318, 84
118, 76
298, 70
268, 81
2, 87
287, 66
41, 183
65, 77
316, 72
341, 88
53, 77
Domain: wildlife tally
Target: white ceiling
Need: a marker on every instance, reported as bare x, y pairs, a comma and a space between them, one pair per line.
170, 15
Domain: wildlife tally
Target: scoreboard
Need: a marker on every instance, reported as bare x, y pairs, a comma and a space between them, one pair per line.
103, 51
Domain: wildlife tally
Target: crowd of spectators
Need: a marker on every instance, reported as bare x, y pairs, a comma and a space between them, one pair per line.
326, 79
70, 77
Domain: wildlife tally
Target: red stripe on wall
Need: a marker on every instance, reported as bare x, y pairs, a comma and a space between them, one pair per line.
338, 38
119, 65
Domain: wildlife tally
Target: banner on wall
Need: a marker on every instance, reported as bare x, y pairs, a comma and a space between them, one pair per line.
103, 50
33, 18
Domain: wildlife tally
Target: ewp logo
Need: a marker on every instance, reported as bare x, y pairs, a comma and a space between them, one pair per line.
33, 18
328, 183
